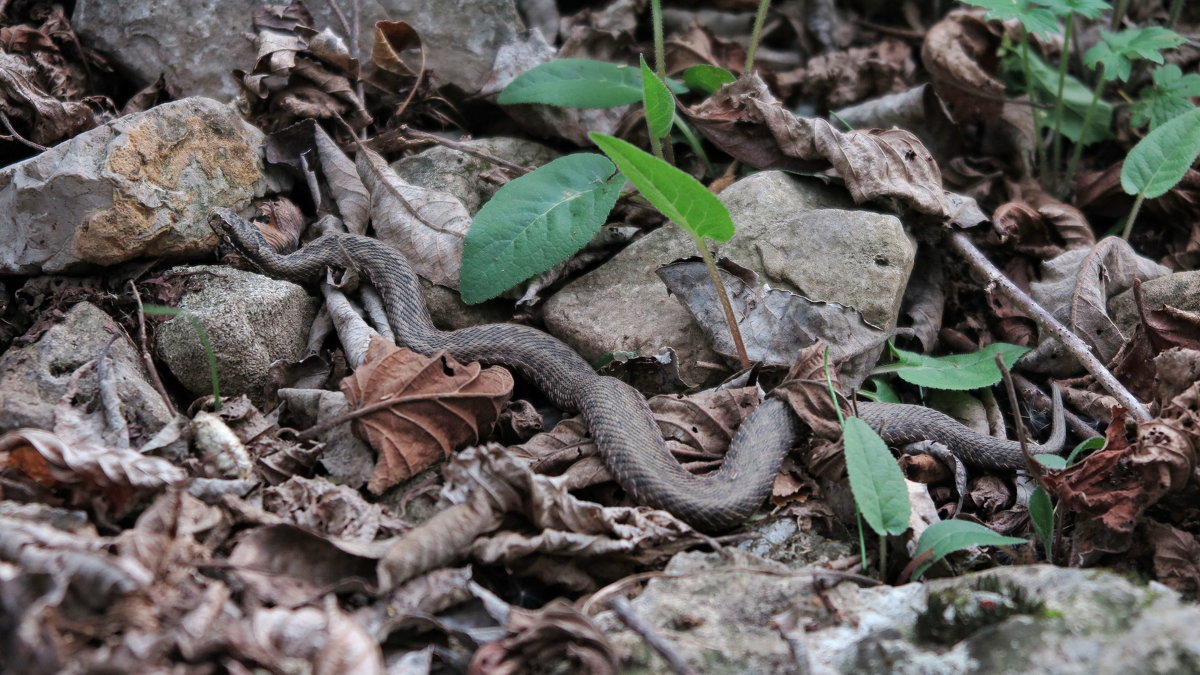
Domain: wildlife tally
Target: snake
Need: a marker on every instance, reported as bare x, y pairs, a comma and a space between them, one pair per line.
619, 419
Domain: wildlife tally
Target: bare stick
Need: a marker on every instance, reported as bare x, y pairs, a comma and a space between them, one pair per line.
147, 360
1048, 323
630, 618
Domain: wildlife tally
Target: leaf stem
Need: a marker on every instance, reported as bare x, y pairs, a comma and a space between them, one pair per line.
656, 19
760, 17
1058, 99
1173, 16
734, 331
1077, 151
1118, 14
1034, 113
1137, 205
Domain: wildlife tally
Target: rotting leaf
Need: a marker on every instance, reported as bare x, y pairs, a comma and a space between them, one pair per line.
428, 225
44, 457
746, 120
422, 408
960, 52
775, 324
557, 633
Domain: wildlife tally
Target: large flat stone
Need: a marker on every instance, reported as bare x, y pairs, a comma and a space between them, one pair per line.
802, 235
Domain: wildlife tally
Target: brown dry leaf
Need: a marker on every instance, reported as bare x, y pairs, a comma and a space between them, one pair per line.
286, 565
775, 324
1076, 285
1041, 226
806, 391
1176, 554
44, 457
46, 119
326, 640
699, 45
318, 505
285, 223
428, 225
422, 408
844, 77
889, 165
961, 54
555, 634
353, 199
1136, 365
392, 40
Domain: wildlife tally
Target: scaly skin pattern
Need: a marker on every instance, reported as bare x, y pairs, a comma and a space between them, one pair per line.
626, 434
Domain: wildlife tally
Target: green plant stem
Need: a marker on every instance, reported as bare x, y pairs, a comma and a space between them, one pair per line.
883, 547
1034, 113
1118, 14
734, 331
655, 143
1056, 162
660, 59
1173, 16
1137, 206
1077, 152
760, 18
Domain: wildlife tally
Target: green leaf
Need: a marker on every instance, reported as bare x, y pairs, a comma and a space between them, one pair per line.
875, 479
1117, 51
1160, 160
660, 105
205, 343
960, 371
536, 222
1093, 443
1035, 19
578, 83
1051, 461
1076, 98
1088, 9
1169, 98
1041, 512
881, 391
948, 536
706, 78
679, 196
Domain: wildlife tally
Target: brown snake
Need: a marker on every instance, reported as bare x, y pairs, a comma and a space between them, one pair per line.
617, 415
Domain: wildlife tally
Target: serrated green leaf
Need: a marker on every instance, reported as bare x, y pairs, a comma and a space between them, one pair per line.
1160, 160
1169, 98
706, 78
1076, 98
1117, 51
1088, 9
578, 83
960, 371
677, 195
660, 105
535, 222
1041, 512
1093, 443
875, 479
947, 536
1035, 19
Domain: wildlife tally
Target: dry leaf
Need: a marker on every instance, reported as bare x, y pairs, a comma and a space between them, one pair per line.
745, 120
44, 457
961, 54
428, 226
558, 634
422, 408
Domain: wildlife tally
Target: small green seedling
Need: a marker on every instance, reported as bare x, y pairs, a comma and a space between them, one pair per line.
160, 310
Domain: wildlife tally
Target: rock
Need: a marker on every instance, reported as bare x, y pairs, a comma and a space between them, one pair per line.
800, 235
1036, 618
34, 377
140, 185
1180, 290
251, 320
457, 172
197, 43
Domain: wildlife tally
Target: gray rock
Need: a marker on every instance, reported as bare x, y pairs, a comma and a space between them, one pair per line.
800, 234
34, 377
197, 43
1037, 618
1180, 290
138, 186
457, 172
251, 320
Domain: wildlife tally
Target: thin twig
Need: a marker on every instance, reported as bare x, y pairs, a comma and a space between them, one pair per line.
14, 136
147, 360
1072, 342
1034, 466
630, 618
461, 147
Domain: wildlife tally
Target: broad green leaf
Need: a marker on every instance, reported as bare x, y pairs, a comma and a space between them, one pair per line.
1035, 19
1117, 51
1051, 461
1041, 512
1169, 98
948, 536
578, 83
1160, 160
1076, 99
660, 105
880, 391
875, 479
679, 196
960, 371
1093, 443
1088, 9
536, 222
706, 78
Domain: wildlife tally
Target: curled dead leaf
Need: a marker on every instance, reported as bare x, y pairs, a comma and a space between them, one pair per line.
416, 410
961, 54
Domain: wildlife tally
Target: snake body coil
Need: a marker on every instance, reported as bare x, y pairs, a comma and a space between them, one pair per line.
620, 421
